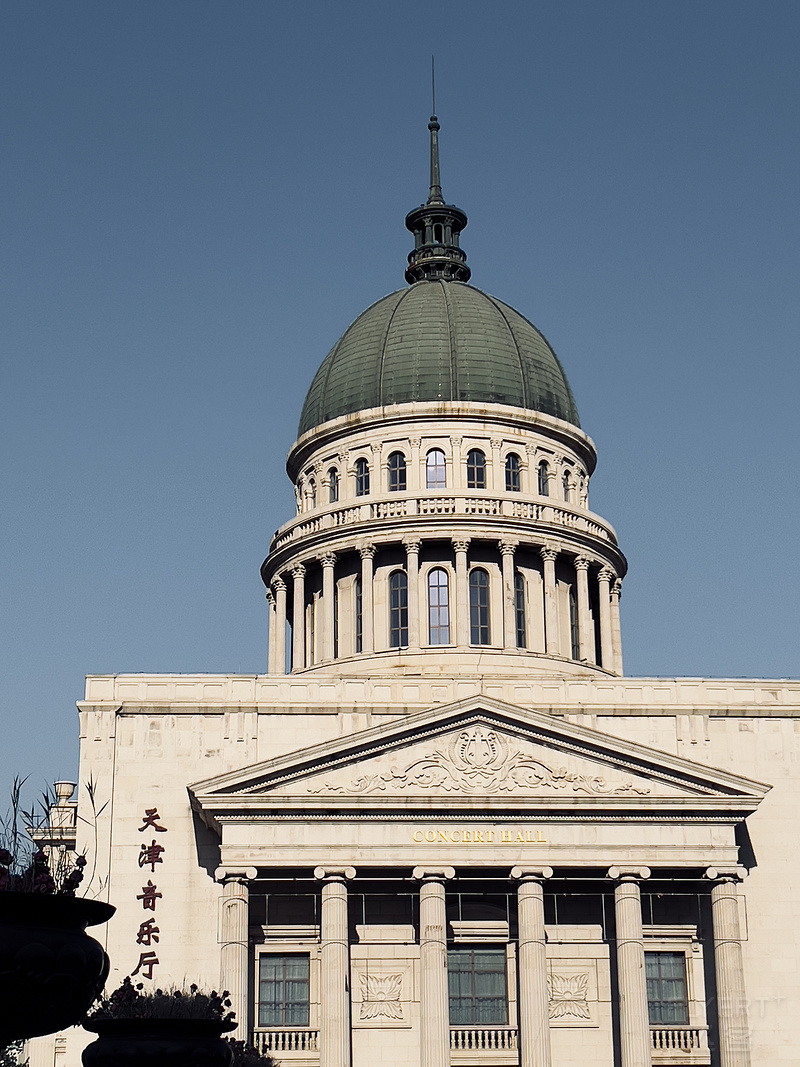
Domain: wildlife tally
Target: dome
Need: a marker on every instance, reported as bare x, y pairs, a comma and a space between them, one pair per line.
438, 340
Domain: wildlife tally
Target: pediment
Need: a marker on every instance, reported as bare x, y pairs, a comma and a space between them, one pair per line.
478, 751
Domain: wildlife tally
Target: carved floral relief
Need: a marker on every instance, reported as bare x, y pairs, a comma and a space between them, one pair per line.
568, 995
380, 996
479, 760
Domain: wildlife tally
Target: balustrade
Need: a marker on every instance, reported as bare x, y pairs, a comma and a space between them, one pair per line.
682, 1038
286, 1040
484, 1038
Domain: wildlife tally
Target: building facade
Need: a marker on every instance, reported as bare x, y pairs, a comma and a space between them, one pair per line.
444, 828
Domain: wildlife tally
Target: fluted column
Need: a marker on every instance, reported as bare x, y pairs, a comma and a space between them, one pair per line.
585, 632
414, 481
458, 471
367, 553
734, 1038
233, 937
497, 482
272, 627
460, 546
551, 635
328, 562
534, 1022
507, 548
299, 617
616, 634
604, 580
411, 545
278, 664
434, 998
634, 1024
335, 970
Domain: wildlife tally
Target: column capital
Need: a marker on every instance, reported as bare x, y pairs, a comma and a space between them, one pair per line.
616, 588
548, 553
412, 544
335, 874
433, 874
531, 874
278, 583
235, 874
581, 563
726, 874
456, 442
628, 874
270, 597
327, 559
496, 442
415, 442
508, 546
606, 575
298, 571
461, 544
367, 550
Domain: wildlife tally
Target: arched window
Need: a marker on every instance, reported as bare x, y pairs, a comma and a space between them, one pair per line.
438, 607
359, 602
333, 485
362, 477
397, 472
476, 469
543, 480
512, 473
478, 607
435, 470
519, 609
565, 484
312, 493
574, 635
398, 609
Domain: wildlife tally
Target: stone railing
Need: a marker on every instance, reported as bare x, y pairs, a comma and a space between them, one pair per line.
408, 506
286, 1040
679, 1039
484, 1038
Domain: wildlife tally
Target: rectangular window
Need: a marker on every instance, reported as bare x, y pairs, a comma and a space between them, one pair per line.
667, 1002
477, 983
283, 990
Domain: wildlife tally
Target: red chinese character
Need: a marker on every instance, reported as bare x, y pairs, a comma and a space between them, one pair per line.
147, 961
148, 896
151, 818
148, 933
150, 854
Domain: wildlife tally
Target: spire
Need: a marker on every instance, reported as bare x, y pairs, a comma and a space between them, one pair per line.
436, 225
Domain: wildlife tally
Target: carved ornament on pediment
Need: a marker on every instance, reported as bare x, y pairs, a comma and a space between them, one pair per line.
479, 760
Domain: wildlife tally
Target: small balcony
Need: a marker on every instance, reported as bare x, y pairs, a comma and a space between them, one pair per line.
492, 1044
679, 1044
298, 1048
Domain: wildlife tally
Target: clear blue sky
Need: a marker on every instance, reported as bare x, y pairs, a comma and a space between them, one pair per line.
197, 198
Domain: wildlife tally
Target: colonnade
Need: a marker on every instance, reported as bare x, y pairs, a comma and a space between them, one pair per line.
534, 1025
608, 596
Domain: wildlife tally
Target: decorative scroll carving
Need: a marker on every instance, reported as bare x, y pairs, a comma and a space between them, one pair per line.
478, 760
381, 996
567, 994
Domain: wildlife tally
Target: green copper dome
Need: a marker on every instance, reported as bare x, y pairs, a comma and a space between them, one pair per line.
438, 340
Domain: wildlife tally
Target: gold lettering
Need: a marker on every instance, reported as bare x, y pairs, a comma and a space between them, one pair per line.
417, 836
505, 837
430, 836
478, 836
454, 839
467, 837
520, 838
489, 836
443, 836
540, 838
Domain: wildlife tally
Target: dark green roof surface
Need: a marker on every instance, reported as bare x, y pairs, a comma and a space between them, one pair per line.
438, 340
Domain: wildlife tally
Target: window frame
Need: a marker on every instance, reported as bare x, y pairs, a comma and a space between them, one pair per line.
656, 1005
440, 469
474, 998
480, 632
361, 469
441, 629
520, 614
513, 468
396, 472
281, 1002
476, 469
543, 478
333, 485
398, 609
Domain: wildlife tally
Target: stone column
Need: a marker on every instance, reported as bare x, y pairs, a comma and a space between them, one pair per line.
634, 1023
328, 604
278, 666
534, 1021
233, 940
604, 580
616, 634
497, 476
458, 479
272, 626
411, 545
462, 630
507, 548
585, 630
367, 553
413, 470
299, 617
335, 969
551, 635
734, 1037
434, 996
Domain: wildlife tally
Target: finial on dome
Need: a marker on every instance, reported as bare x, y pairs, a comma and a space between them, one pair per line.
436, 225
